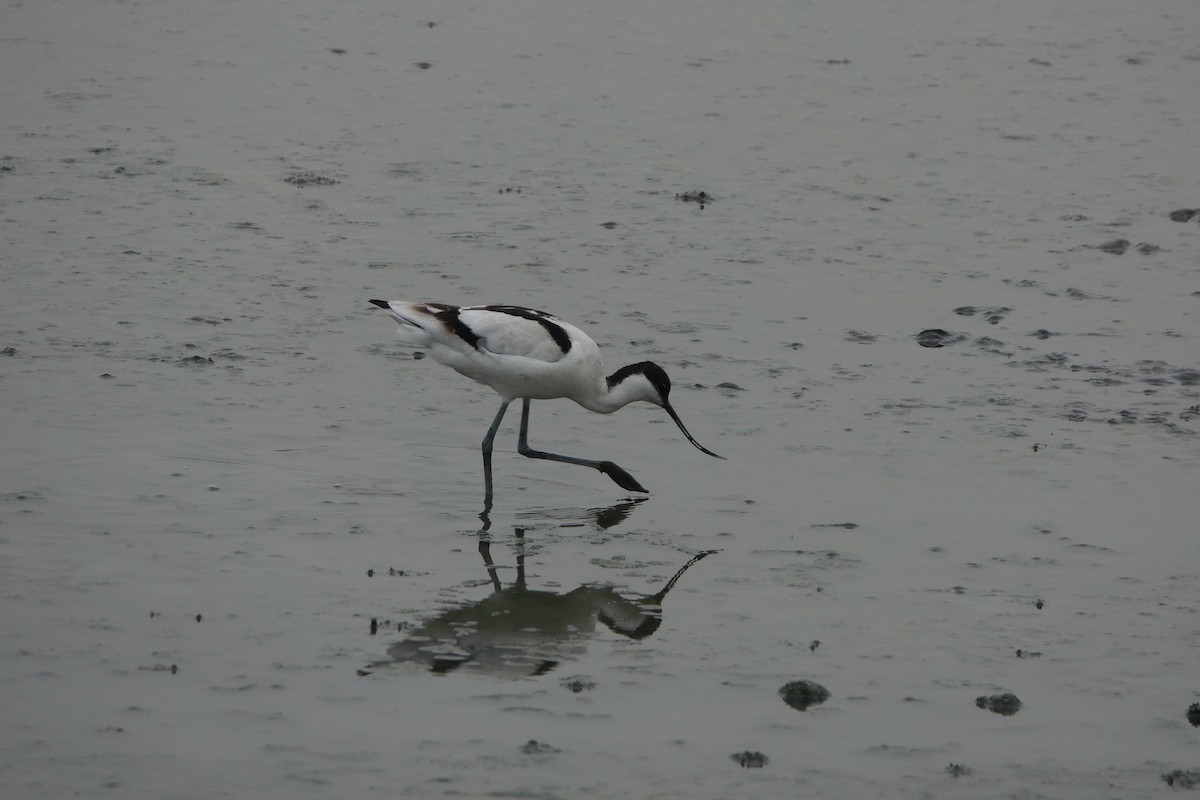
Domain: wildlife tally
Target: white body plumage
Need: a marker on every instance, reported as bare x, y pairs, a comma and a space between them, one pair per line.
519, 352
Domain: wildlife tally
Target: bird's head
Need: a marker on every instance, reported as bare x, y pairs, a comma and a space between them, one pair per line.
650, 383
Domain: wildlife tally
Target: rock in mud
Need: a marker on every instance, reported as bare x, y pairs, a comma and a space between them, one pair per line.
1193, 715
936, 337
1005, 704
802, 694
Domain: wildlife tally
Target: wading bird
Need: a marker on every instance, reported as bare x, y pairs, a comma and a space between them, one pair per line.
532, 355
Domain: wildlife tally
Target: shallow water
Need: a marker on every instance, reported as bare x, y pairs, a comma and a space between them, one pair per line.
239, 524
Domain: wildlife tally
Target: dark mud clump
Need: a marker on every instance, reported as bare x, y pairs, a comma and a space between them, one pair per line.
578, 684
1116, 247
1183, 778
535, 748
750, 759
936, 337
1183, 214
990, 345
992, 315
958, 771
1193, 715
802, 694
699, 196
1005, 704
309, 179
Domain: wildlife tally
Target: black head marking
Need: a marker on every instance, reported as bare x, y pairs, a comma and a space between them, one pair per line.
653, 373
380, 303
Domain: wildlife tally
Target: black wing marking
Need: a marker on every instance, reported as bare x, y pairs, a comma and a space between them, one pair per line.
448, 316
547, 321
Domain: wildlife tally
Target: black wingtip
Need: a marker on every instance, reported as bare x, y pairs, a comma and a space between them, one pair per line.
381, 303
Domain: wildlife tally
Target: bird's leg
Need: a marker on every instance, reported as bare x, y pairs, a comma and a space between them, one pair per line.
619, 476
487, 459
485, 550
520, 584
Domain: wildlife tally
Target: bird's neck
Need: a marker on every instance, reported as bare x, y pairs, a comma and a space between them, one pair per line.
611, 397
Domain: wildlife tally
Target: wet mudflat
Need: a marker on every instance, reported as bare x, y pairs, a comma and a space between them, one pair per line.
927, 280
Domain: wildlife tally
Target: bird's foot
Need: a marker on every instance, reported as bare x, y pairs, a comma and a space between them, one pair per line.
621, 477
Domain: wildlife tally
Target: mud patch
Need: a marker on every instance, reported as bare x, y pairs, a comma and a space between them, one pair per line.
309, 179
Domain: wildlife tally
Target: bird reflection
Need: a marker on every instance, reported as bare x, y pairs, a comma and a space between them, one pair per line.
521, 632
603, 518
606, 517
